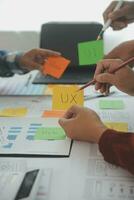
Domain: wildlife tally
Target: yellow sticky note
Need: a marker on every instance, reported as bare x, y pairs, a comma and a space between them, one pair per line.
66, 96
13, 112
118, 126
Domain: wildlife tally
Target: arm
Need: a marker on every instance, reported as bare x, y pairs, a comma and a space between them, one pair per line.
8, 64
118, 148
11, 63
123, 79
85, 125
122, 17
123, 51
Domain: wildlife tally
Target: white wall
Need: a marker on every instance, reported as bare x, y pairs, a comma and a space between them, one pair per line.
19, 40
30, 14
20, 20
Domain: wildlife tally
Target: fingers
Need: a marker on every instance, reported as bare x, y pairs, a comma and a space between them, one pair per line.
31, 65
118, 25
118, 17
122, 12
64, 122
72, 112
108, 10
46, 52
102, 66
108, 65
105, 78
70, 115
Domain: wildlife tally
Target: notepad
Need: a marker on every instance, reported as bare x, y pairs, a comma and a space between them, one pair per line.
50, 133
14, 112
90, 52
111, 104
55, 66
66, 96
118, 126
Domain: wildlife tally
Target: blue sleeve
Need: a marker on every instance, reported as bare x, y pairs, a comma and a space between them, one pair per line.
9, 65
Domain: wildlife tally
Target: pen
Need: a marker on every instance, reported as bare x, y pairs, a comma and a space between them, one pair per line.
120, 66
28, 80
109, 21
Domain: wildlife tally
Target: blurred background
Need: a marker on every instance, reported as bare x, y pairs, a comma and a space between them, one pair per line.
21, 20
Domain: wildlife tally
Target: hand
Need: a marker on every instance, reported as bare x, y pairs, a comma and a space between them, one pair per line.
82, 124
123, 79
120, 51
35, 58
122, 17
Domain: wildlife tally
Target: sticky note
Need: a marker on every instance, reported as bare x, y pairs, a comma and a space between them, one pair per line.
50, 133
14, 112
118, 126
53, 113
55, 66
66, 96
90, 52
111, 104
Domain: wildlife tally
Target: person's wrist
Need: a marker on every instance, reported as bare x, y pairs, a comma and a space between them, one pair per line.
99, 133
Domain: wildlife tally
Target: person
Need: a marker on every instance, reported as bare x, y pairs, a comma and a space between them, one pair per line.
83, 123
122, 17
20, 63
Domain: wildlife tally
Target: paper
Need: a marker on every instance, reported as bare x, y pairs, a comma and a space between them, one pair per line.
118, 126
39, 103
12, 165
50, 133
53, 113
95, 178
24, 138
55, 66
13, 112
66, 96
16, 85
3, 136
111, 104
90, 52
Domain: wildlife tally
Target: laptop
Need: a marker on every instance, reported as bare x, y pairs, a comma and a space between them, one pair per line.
64, 38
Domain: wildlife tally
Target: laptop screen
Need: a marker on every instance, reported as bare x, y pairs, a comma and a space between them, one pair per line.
64, 37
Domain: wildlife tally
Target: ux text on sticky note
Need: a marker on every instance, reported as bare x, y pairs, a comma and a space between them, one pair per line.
66, 96
90, 52
55, 66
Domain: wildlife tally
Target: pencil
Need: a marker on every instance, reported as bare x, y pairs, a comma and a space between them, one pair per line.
120, 66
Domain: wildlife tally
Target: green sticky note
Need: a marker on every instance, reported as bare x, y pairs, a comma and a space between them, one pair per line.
90, 52
111, 104
50, 133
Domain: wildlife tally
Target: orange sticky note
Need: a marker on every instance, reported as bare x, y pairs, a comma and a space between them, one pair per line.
55, 66
53, 113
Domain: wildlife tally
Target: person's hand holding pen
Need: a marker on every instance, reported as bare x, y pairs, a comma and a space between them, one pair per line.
123, 78
35, 58
121, 17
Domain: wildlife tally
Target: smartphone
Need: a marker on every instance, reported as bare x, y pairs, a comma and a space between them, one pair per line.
29, 186
20, 186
